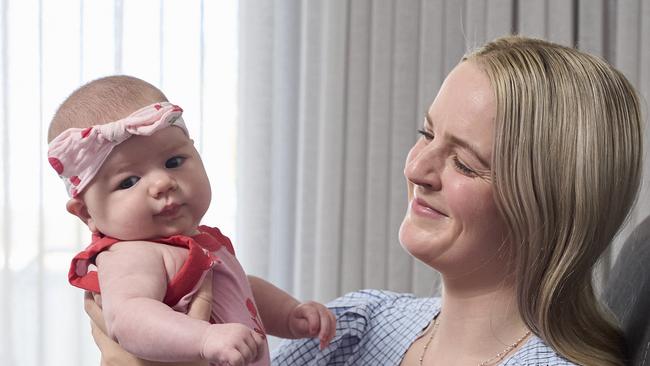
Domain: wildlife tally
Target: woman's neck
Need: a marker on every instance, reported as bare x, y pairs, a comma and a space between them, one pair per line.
484, 307
476, 321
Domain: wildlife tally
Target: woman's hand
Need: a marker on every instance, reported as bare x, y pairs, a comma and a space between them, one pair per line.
114, 355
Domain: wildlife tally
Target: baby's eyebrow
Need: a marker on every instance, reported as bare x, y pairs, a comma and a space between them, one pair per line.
119, 167
176, 146
126, 163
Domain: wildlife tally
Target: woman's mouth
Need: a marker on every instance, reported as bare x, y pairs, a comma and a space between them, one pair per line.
421, 208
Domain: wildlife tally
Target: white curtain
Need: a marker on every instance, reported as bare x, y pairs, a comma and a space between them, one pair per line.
48, 48
331, 93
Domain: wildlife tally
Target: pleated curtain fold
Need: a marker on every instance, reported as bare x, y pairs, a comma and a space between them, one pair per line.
331, 94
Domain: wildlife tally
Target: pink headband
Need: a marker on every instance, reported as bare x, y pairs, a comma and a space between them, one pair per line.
78, 153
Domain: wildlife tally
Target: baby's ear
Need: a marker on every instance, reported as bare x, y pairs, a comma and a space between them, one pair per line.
78, 208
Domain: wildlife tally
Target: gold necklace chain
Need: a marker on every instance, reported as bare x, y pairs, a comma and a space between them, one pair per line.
505, 351
434, 327
496, 358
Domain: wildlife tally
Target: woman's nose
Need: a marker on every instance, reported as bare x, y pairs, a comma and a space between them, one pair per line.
161, 184
423, 167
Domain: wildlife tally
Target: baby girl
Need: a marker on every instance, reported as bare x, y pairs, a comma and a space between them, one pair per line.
135, 179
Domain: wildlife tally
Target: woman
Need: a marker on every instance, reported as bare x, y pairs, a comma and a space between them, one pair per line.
527, 165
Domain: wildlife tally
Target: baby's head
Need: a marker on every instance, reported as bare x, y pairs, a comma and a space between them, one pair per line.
103, 100
131, 170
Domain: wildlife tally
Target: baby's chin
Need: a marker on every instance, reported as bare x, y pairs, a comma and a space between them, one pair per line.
125, 231
145, 236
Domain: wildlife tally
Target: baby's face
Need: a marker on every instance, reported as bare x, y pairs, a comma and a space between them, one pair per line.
148, 187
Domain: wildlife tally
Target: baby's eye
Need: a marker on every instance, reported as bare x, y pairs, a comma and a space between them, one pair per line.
128, 182
174, 162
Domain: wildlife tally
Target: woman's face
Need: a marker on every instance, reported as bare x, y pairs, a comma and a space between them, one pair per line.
452, 222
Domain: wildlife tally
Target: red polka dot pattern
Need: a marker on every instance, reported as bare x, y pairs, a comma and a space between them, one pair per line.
75, 153
251, 307
86, 132
56, 164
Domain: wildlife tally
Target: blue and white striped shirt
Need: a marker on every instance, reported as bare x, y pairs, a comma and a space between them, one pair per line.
377, 327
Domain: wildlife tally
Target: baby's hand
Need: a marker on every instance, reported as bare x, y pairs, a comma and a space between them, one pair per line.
312, 319
232, 344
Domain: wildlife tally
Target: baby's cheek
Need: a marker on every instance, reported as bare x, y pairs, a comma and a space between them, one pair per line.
123, 222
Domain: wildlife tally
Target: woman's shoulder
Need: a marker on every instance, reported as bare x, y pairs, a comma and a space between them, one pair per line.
372, 326
380, 311
536, 352
378, 300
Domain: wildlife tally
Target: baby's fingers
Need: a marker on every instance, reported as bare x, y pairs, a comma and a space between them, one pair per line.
311, 319
249, 349
327, 327
260, 346
234, 357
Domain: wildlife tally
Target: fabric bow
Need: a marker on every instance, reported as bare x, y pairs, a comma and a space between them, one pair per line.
78, 153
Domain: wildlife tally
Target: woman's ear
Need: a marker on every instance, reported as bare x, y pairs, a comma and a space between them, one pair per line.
78, 208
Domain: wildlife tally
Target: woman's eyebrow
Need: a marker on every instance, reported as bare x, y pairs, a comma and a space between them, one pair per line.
427, 117
462, 143
467, 146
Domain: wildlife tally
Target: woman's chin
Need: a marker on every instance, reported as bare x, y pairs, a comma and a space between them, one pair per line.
420, 242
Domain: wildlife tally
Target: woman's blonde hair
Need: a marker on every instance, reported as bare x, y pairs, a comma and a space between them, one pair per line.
567, 167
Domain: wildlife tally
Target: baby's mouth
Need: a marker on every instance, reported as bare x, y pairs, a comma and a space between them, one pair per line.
169, 210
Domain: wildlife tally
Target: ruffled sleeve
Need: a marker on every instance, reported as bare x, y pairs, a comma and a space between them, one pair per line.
371, 325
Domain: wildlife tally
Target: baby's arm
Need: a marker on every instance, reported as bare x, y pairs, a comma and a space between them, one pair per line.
285, 317
112, 354
133, 280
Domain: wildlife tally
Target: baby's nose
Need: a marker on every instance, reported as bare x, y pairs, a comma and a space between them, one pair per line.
162, 183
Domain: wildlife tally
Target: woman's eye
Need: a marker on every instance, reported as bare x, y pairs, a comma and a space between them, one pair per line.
174, 162
128, 182
463, 168
426, 134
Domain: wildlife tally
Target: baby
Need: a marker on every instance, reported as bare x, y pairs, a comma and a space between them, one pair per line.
136, 180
